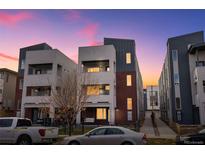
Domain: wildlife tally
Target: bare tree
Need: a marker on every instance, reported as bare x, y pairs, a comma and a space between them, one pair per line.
70, 96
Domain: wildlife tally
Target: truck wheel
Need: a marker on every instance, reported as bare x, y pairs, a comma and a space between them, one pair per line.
24, 140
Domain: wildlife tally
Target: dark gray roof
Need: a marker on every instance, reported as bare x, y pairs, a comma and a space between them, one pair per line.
199, 46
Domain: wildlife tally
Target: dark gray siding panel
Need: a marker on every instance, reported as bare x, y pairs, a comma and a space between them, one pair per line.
181, 44
122, 46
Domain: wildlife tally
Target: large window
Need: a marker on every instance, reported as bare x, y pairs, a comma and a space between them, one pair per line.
129, 103
128, 58
178, 103
174, 55
36, 69
129, 115
179, 115
176, 78
39, 91
101, 114
96, 66
129, 80
98, 89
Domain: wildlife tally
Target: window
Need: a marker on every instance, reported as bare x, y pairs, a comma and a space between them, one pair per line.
36, 69
128, 58
179, 115
174, 55
178, 103
1, 75
129, 103
7, 77
22, 64
200, 63
176, 78
99, 131
101, 114
129, 115
96, 66
204, 85
23, 123
21, 84
6, 122
39, 91
1, 91
96, 90
93, 69
93, 90
129, 80
113, 131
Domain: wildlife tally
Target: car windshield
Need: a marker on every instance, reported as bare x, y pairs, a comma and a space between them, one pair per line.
6, 122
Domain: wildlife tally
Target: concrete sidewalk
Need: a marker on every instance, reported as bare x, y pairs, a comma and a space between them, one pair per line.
163, 129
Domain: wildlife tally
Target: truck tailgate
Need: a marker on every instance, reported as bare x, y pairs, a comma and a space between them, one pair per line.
51, 132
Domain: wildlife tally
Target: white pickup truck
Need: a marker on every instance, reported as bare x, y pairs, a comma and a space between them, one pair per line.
15, 130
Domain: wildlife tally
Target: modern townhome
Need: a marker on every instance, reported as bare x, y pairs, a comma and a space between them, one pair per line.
197, 76
7, 89
98, 63
153, 98
43, 68
176, 99
129, 87
116, 93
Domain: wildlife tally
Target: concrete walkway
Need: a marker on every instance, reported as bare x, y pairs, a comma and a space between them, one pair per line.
163, 129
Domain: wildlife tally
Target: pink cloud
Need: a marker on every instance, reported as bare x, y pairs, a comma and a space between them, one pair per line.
95, 43
89, 31
11, 19
8, 57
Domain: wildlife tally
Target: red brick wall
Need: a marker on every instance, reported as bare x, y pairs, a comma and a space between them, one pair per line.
122, 93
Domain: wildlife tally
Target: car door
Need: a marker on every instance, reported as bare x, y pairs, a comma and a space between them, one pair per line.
113, 136
94, 137
6, 131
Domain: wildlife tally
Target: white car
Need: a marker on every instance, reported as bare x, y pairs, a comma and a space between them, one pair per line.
108, 135
15, 130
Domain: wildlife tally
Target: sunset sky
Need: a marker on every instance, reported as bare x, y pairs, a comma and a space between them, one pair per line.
66, 30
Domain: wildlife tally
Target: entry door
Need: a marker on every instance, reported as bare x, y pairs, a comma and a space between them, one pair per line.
35, 115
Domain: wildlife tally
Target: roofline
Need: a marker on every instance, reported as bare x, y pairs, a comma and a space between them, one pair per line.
114, 38
44, 43
184, 35
8, 70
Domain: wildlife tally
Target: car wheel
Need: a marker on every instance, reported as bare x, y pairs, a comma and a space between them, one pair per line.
127, 143
24, 140
74, 143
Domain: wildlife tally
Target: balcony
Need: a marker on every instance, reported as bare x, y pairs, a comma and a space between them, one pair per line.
96, 66
38, 69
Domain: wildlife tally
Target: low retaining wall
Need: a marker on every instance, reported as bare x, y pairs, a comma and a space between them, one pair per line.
186, 129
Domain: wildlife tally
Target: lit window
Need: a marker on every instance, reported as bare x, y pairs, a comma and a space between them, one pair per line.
128, 58
129, 115
93, 90
129, 103
101, 113
93, 69
107, 87
129, 80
